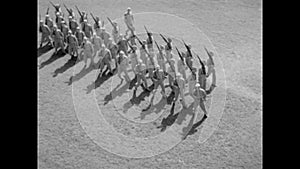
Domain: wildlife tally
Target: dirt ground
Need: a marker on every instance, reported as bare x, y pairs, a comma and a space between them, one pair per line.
234, 29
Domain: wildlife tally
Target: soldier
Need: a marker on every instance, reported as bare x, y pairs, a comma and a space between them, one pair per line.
143, 53
112, 46
73, 25
122, 44
97, 24
171, 72
168, 49
49, 22
105, 59
104, 35
58, 37
73, 44
115, 32
140, 70
150, 65
57, 8
160, 57
158, 80
182, 68
149, 42
133, 58
181, 84
188, 56
64, 30
83, 17
59, 21
97, 42
209, 63
199, 96
46, 33
122, 66
192, 80
87, 29
129, 20
131, 39
79, 35
202, 77
88, 51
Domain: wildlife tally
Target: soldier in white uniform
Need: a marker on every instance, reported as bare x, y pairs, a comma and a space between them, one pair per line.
97, 42
140, 70
73, 44
129, 20
88, 51
58, 37
46, 33
160, 57
123, 63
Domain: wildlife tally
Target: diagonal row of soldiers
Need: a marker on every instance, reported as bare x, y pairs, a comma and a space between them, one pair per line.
120, 51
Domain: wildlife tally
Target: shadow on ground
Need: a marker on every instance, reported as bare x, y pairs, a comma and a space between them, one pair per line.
53, 57
71, 62
44, 49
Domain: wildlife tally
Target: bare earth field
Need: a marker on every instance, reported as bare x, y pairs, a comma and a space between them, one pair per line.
234, 29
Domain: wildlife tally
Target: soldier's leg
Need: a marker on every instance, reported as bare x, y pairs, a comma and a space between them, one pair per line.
119, 73
202, 106
176, 91
138, 81
70, 49
108, 65
126, 75
195, 104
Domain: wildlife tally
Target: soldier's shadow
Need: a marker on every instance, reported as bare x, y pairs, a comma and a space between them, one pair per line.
80, 75
53, 57
169, 120
114, 93
71, 62
99, 81
136, 100
44, 49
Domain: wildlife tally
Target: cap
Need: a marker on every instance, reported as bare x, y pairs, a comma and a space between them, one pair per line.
70, 32
78, 28
197, 85
121, 52
47, 16
85, 38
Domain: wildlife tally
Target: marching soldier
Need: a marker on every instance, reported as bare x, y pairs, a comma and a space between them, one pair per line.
171, 72
104, 35
87, 29
202, 77
105, 59
122, 66
46, 33
182, 68
57, 8
129, 20
83, 17
168, 49
59, 21
199, 96
192, 80
181, 84
88, 51
97, 42
143, 53
150, 65
58, 37
97, 24
73, 44
73, 25
79, 35
160, 57
64, 30
122, 44
115, 32
188, 56
140, 70
209, 63
133, 58
112, 46
149, 42
49, 22
158, 80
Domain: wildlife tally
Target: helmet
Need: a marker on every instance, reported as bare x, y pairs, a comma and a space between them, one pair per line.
121, 52
197, 85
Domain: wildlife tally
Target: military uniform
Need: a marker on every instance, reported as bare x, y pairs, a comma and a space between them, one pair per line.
159, 78
105, 59
46, 33
64, 30
122, 45
87, 29
73, 25
140, 70
88, 51
79, 35
104, 35
161, 60
122, 66
181, 84
192, 80
58, 39
115, 32
128, 19
134, 60
73, 44
199, 95
182, 68
202, 78
49, 23
150, 65
143, 56
97, 42
171, 73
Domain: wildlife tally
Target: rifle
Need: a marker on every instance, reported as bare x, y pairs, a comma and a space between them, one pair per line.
47, 11
79, 11
202, 64
181, 58
97, 23
56, 9
110, 21
159, 50
130, 47
188, 49
140, 42
70, 13
168, 43
148, 33
210, 57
